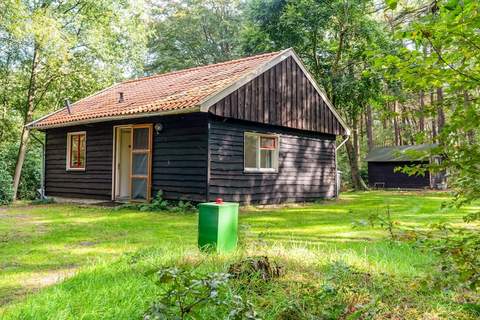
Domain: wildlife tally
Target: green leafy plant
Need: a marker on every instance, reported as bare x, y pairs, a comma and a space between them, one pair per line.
187, 291
459, 253
383, 220
182, 206
158, 203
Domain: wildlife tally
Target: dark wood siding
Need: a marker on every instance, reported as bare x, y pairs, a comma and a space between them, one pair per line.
93, 183
306, 165
281, 96
179, 159
384, 172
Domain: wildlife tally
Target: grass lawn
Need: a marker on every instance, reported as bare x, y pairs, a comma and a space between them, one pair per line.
86, 262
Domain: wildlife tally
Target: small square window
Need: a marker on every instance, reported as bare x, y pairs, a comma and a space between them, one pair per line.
76, 151
261, 152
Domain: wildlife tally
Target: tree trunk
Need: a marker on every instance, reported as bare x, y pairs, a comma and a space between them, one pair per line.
421, 120
28, 115
369, 126
396, 127
384, 120
434, 122
440, 111
353, 151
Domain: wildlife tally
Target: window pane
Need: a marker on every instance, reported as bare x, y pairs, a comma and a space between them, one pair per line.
140, 138
267, 143
139, 165
139, 189
74, 151
266, 159
81, 160
250, 151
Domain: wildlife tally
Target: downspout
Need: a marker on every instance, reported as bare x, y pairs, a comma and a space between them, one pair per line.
42, 174
337, 180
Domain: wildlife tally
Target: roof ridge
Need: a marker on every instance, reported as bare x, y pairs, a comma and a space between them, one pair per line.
202, 67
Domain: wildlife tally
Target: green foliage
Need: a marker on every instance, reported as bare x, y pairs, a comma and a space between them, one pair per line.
443, 52
190, 33
332, 37
6, 190
80, 49
459, 253
188, 291
30, 178
31, 175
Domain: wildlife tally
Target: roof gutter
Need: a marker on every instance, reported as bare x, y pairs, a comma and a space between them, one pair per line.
112, 118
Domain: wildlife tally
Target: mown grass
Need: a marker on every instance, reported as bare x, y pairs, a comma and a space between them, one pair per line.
108, 259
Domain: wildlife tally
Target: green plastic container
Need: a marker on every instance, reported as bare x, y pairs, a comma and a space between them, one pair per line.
218, 226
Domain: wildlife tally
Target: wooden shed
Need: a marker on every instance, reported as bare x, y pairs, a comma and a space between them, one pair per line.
253, 130
384, 162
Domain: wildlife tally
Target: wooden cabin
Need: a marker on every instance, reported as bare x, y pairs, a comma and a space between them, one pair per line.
252, 130
384, 162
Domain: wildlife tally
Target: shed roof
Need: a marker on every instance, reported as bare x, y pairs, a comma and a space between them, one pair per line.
189, 90
400, 153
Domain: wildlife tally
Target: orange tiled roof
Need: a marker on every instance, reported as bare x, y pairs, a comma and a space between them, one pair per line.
178, 90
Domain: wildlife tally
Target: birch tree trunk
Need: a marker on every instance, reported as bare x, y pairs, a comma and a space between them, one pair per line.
421, 120
28, 116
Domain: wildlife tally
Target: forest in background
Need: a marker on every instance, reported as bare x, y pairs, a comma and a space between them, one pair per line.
399, 72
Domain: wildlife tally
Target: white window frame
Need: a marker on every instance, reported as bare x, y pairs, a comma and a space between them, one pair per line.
257, 150
69, 147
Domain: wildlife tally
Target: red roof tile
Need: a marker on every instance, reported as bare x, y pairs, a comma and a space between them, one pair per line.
177, 90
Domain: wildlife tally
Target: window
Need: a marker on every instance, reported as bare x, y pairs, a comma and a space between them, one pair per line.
76, 147
261, 152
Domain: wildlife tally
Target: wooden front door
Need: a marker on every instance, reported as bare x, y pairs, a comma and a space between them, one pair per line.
141, 162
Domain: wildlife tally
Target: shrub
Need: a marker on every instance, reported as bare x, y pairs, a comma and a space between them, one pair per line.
31, 171
31, 175
6, 188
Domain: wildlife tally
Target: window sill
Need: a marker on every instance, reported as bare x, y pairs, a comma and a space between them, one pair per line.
252, 170
75, 169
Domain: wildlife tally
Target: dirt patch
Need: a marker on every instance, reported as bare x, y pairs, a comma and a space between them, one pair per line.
35, 283
47, 278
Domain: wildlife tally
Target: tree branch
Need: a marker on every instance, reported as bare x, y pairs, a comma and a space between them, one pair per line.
440, 57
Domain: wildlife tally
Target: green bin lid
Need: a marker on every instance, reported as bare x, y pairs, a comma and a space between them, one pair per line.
214, 204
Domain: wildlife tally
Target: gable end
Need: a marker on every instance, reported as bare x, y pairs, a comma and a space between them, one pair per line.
283, 95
